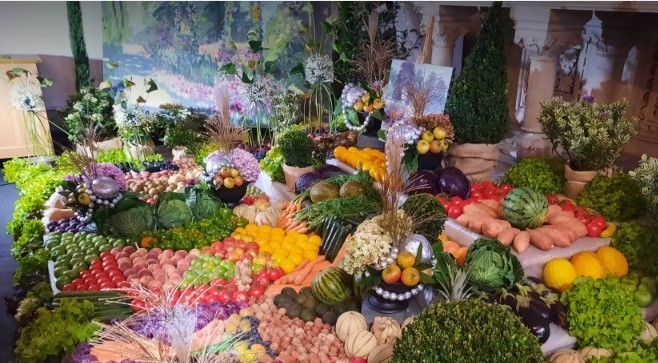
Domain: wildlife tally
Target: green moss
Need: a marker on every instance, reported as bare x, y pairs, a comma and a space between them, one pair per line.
543, 175
618, 198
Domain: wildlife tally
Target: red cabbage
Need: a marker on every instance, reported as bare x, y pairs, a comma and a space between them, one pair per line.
305, 181
422, 181
453, 182
328, 171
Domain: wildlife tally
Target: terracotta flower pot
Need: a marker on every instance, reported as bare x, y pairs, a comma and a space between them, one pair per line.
576, 180
477, 161
293, 173
139, 151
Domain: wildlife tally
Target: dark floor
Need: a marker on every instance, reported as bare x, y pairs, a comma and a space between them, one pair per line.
8, 195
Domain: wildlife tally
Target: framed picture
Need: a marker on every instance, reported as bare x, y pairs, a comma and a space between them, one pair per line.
435, 79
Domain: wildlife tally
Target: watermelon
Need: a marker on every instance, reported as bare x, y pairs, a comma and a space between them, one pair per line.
332, 286
525, 208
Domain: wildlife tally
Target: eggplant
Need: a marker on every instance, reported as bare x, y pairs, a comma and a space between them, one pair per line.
542, 308
531, 317
560, 314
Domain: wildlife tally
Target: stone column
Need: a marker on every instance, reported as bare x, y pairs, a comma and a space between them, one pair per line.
450, 22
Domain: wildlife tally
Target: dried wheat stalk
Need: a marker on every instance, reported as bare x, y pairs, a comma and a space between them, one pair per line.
376, 61
219, 128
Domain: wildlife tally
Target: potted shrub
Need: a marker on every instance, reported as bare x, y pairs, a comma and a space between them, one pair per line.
181, 130
135, 126
297, 150
91, 108
591, 135
477, 102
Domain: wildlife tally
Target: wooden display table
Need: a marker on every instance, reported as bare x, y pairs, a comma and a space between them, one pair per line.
14, 140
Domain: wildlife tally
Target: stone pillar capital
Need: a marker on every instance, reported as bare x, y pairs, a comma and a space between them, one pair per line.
607, 35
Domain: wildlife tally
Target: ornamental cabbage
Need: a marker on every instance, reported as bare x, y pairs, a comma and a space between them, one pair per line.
492, 265
173, 213
202, 204
133, 222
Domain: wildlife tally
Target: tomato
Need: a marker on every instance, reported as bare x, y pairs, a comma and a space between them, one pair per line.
95, 264
68, 287
224, 296
106, 254
456, 199
272, 275
358, 360
85, 274
93, 287
599, 220
567, 207
257, 292
506, 188
117, 280
240, 296
552, 199
114, 272
476, 194
138, 305
594, 229
262, 281
455, 211
107, 286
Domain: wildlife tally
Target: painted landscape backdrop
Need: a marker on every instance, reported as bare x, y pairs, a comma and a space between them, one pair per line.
180, 44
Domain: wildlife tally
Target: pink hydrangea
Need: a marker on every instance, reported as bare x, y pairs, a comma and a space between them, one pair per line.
246, 164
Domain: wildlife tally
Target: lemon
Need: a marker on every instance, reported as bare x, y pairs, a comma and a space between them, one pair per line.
315, 239
588, 264
296, 258
559, 273
613, 260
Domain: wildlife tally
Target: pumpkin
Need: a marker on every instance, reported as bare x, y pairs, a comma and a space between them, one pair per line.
350, 322
588, 353
381, 354
266, 218
360, 344
261, 204
566, 356
247, 212
649, 333
407, 321
386, 330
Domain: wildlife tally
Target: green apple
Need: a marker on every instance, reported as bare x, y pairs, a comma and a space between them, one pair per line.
439, 133
427, 136
422, 147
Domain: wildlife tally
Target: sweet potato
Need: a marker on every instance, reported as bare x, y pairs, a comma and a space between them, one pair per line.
540, 240
577, 226
558, 236
507, 236
521, 241
473, 220
553, 210
474, 208
568, 228
495, 205
492, 228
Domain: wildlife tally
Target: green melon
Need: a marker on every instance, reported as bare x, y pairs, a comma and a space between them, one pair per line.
525, 208
332, 286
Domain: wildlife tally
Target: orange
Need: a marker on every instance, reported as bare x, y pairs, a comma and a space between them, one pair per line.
451, 247
588, 264
613, 260
559, 273
460, 255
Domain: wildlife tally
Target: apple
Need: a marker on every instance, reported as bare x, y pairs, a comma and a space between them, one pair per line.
422, 147
229, 183
427, 136
439, 133
234, 172
406, 259
225, 172
444, 145
365, 98
378, 103
238, 181
435, 147
368, 108
410, 276
391, 274
358, 106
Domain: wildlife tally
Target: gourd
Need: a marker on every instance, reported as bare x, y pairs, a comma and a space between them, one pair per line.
566, 356
381, 354
247, 212
407, 321
261, 204
350, 322
360, 344
588, 353
649, 333
386, 330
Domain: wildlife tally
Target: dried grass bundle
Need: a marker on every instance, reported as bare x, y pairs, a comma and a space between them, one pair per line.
83, 161
376, 61
219, 128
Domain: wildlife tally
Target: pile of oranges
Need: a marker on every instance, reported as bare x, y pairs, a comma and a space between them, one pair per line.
370, 160
288, 249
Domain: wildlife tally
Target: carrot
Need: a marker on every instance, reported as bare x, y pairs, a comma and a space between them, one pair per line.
340, 254
492, 228
540, 240
292, 225
320, 266
303, 274
521, 241
301, 265
507, 236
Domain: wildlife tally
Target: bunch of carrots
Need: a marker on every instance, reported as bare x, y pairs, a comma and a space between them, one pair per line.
287, 220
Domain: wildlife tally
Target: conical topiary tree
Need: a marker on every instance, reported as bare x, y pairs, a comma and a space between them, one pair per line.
477, 102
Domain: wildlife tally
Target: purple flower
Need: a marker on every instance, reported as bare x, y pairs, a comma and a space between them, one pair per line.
605, 114
114, 172
82, 354
589, 99
246, 164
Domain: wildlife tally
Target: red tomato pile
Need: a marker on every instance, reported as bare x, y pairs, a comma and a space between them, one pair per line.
479, 191
595, 222
252, 200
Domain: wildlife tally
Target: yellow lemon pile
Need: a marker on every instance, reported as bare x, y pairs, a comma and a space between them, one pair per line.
607, 261
288, 249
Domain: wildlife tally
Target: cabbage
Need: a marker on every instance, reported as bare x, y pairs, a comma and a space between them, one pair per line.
305, 181
132, 222
173, 213
422, 181
492, 266
328, 171
453, 182
202, 204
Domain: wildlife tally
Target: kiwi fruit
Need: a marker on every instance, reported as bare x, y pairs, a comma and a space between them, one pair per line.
307, 315
282, 300
302, 299
311, 303
329, 317
289, 291
321, 309
294, 311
